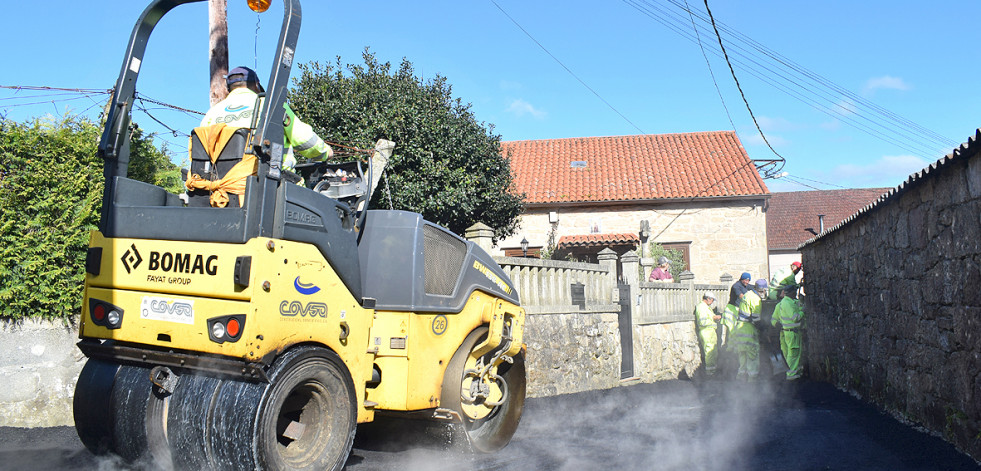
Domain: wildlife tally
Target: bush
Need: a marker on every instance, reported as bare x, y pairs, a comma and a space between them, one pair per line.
50, 195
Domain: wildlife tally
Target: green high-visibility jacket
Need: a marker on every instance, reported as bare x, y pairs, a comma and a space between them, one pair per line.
750, 306
781, 278
237, 109
788, 313
703, 316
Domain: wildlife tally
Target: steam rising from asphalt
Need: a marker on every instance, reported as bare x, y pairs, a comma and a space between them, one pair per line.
673, 425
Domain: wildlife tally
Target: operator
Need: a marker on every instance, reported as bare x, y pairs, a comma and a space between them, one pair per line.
790, 315
661, 273
784, 277
707, 320
237, 109
746, 335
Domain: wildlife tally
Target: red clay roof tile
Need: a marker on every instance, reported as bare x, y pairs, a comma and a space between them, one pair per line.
792, 217
628, 168
592, 240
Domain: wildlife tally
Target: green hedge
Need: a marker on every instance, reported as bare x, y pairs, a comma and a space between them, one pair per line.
50, 195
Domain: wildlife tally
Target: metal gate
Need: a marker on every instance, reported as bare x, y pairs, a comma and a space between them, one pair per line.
626, 332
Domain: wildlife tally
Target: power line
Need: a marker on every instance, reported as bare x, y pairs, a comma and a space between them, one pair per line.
523, 30
709, 65
743, 95
882, 124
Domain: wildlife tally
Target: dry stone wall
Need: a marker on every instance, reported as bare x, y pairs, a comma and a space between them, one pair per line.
894, 303
572, 352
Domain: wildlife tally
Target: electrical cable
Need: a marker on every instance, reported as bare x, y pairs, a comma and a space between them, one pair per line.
709, 65
556, 59
833, 108
741, 93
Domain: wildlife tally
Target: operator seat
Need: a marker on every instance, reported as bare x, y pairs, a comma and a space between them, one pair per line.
219, 166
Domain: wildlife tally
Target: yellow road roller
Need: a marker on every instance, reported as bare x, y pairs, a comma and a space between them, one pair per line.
259, 334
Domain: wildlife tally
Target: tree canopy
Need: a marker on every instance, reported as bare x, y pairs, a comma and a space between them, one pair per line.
447, 165
50, 195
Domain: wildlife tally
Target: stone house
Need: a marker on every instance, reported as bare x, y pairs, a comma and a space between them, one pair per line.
793, 217
696, 192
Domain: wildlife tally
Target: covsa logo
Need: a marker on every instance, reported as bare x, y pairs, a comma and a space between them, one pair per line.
439, 324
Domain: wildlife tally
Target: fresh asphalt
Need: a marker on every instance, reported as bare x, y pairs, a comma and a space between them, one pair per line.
669, 425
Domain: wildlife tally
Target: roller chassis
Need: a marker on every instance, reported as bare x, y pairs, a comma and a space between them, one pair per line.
258, 336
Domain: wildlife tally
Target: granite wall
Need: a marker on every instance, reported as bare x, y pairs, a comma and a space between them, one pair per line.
894, 301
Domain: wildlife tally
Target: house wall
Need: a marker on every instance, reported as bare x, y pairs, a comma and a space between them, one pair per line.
894, 304
727, 236
779, 260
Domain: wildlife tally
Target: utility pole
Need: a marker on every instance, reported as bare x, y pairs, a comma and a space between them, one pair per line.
218, 48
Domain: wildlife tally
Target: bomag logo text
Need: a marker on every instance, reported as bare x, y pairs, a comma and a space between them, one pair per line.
176, 262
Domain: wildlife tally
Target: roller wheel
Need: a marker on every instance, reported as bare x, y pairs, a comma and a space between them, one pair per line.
489, 423
116, 412
90, 405
308, 415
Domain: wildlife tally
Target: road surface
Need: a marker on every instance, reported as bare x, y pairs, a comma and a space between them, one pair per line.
670, 425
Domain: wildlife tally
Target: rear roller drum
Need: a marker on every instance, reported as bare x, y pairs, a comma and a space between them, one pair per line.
116, 412
90, 406
488, 400
308, 415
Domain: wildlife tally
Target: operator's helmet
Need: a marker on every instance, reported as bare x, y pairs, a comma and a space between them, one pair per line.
795, 265
761, 285
663, 260
241, 73
708, 295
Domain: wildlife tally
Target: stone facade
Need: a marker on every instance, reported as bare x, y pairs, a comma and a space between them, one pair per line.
663, 351
726, 235
572, 352
894, 301
38, 369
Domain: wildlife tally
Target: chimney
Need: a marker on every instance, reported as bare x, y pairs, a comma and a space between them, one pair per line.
821, 223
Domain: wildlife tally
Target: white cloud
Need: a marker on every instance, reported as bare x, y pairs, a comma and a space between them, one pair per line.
886, 82
521, 108
757, 140
890, 170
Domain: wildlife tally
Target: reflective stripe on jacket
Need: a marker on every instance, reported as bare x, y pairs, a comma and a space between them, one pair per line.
788, 314
237, 110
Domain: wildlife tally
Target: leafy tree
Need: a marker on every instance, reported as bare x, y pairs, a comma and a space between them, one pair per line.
447, 165
50, 195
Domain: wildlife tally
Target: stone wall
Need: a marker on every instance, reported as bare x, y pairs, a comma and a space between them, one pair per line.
38, 369
726, 236
572, 352
663, 351
894, 301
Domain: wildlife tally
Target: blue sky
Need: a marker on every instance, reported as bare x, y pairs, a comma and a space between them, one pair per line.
627, 67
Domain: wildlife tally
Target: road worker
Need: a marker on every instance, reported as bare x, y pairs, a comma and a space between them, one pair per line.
746, 335
706, 321
784, 277
237, 110
790, 315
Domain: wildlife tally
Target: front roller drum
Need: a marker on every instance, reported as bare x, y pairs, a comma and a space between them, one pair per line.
308, 416
489, 402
